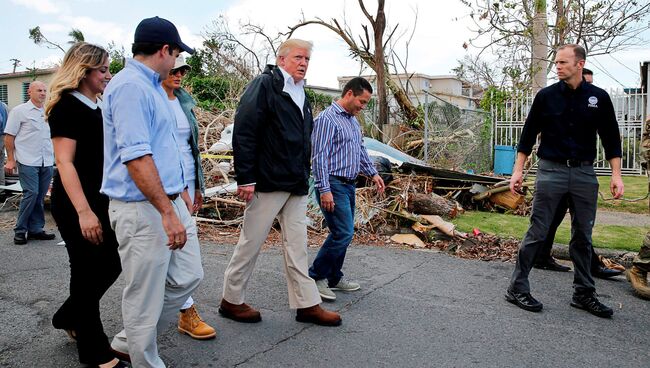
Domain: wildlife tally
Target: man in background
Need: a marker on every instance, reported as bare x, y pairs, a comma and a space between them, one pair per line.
29, 147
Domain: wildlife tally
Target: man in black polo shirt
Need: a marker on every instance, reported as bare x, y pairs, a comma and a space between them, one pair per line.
544, 260
568, 115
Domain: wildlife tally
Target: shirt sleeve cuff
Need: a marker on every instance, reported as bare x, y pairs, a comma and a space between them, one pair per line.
131, 153
324, 190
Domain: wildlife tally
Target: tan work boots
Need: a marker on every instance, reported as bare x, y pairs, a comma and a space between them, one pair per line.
190, 323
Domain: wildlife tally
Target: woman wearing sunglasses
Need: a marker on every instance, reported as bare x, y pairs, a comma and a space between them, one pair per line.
187, 134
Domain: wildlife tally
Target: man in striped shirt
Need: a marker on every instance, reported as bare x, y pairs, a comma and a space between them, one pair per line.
338, 156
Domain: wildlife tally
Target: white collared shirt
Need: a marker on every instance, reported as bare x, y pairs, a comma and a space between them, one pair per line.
295, 90
33, 143
88, 102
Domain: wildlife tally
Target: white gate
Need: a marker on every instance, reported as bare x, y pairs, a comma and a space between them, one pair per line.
629, 104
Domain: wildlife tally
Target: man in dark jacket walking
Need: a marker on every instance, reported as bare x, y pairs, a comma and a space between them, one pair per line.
272, 149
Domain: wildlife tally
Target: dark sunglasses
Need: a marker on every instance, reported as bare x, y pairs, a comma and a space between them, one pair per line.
183, 71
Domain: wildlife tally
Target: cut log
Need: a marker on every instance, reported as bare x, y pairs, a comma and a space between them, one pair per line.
442, 225
507, 199
432, 204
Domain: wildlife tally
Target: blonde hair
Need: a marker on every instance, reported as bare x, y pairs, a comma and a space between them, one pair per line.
293, 43
80, 59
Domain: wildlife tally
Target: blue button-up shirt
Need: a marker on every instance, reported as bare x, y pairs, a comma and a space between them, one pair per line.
337, 148
137, 122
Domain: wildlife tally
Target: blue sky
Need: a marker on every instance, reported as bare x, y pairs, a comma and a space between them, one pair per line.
435, 47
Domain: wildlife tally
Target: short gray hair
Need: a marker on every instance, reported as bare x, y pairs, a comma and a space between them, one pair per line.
291, 44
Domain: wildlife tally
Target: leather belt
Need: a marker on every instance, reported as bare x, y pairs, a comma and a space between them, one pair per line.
173, 197
345, 180
574, 163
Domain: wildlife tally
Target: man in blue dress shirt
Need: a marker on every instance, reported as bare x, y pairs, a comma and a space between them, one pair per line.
143, 177
338, 155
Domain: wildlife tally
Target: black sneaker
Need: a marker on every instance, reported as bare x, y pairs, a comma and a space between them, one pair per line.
20, 238
524, 301
590, 303
41, 236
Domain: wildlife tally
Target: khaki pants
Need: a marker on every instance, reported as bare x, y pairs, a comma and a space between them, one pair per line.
158, 280
260, 212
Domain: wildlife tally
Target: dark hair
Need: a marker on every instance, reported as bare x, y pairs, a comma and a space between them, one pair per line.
586, 71
357, 85
578, 51
147, 48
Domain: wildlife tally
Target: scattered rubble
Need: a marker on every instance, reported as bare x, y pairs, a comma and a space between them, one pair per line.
414, 209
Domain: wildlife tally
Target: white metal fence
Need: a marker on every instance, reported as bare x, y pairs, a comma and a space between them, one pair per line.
629, 104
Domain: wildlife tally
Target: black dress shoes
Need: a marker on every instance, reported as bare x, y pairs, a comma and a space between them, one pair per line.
524, 301
20, 238
590, 303
41, 236
603, 272
551, 265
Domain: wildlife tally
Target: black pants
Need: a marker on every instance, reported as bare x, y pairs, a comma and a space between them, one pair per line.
556, 182
545, 253
93, 269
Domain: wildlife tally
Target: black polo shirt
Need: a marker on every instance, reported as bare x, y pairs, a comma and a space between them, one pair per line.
568, 121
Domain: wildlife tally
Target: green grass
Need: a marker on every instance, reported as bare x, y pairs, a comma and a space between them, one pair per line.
635, 187
604, 236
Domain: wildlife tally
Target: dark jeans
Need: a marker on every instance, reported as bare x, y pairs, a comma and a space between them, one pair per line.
35, 180
93, 269
545, 253
329, 261
556, 182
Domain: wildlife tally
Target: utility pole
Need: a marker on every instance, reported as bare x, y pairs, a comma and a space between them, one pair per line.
16, 63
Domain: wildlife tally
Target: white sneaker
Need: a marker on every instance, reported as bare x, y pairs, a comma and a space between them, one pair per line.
344, 285
324, 290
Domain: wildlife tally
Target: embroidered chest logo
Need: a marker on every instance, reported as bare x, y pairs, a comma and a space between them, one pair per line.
593, 101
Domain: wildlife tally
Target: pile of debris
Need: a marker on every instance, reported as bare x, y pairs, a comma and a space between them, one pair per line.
415, 209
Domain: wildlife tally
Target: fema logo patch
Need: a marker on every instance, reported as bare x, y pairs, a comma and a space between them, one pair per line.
593, 101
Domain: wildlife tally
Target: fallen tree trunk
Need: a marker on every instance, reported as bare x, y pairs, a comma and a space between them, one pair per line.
432, 204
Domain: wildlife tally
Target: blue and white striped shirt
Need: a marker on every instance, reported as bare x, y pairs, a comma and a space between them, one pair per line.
337, 148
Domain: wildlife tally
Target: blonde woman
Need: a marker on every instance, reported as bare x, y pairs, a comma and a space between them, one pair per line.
80, 211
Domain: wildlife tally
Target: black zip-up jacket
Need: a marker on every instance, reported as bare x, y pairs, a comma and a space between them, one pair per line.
271, 138
569, 121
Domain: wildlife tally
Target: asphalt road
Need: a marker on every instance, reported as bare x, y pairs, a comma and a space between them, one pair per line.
415, 309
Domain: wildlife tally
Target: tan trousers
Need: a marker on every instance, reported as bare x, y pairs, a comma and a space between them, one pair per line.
260, 212
158, 280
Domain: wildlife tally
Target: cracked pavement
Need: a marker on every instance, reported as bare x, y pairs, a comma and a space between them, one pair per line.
415, 309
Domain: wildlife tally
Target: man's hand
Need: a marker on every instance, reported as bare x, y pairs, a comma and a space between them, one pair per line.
198, 200
10, 166
379, 183
176, 235
245, 192
616, 186
327, 201
515, 182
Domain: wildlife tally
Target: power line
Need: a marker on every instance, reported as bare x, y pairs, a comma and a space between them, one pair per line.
600, 67
623, 65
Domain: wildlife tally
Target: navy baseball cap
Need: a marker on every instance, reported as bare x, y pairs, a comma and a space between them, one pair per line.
159, 30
